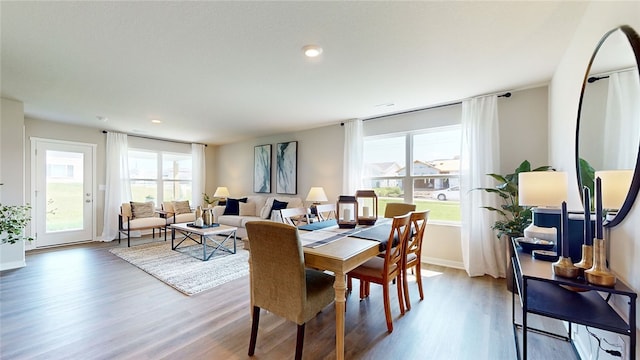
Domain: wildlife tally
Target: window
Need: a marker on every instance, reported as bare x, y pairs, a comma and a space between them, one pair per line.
421, 167
159, 176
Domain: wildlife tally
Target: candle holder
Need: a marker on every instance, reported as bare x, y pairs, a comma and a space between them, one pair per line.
599, 274
565, 268
347, 212
368, 202
587, 259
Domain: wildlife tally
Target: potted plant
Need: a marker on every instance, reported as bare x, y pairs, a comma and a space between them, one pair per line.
13, 220
513, 217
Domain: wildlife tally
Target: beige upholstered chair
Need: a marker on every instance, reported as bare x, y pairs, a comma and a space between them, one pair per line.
397, 209
182, 214
147, 218
326, 211
279, 281
295, 216
384, 270
414, 251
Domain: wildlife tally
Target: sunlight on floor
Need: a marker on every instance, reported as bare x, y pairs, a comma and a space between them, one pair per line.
424, 273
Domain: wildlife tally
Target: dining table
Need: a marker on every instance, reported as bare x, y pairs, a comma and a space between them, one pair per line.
343, 251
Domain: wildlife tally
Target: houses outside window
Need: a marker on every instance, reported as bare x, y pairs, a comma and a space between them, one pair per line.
421, 167
159, 176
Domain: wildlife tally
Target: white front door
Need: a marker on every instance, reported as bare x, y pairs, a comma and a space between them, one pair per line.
64, 186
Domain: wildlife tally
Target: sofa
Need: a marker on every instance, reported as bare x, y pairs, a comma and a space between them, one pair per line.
238, 211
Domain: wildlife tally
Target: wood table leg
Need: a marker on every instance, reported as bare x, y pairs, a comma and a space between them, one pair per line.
339, 286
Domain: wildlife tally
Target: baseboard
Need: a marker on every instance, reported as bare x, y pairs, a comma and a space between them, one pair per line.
443, 262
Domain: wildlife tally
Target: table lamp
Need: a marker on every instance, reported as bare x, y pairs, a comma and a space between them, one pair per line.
223, 193
615, 186
316, 195
545, 191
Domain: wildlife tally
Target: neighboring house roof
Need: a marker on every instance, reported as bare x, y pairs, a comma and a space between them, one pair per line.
447, 166
382, 169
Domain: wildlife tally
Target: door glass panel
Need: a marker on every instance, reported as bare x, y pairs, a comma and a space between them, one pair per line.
64, 191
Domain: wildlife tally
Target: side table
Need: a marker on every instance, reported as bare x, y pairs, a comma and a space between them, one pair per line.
540, 293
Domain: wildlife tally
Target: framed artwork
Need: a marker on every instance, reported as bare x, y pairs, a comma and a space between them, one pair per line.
287, 168
262, 169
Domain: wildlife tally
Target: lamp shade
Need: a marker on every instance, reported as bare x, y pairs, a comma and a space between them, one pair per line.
542, 188
615, 186
316, 194
221, 192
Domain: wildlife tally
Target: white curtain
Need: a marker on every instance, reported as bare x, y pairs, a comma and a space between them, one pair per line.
198, 171
482, 252
622, 123
353, 157
118, 188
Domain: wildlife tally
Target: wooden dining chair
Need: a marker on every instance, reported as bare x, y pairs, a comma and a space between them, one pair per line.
279, 281
326, 212
413, 251
295, 216
384, 270
396, 209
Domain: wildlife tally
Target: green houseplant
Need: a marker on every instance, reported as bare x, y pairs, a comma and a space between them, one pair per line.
13, 220
513, 217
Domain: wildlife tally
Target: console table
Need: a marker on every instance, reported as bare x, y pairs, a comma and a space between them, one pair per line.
540, 293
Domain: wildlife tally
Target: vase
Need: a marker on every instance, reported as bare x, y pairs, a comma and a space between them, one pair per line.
599, 274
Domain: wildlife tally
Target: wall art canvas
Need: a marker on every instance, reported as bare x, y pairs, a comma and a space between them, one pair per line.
287, 167
262, 169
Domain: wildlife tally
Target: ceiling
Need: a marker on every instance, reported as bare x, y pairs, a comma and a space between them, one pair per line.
219, 72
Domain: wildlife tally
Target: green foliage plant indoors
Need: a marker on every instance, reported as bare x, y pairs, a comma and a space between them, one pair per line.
513, 217
13, 220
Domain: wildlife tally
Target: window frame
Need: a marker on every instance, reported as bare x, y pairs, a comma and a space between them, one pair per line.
408, 179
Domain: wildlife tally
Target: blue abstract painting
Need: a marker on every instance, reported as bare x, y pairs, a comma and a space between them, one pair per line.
262, 169
286, 168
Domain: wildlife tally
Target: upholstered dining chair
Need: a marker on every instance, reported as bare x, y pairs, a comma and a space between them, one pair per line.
295, 216
384, 270
413, 250
279, 281
396, 209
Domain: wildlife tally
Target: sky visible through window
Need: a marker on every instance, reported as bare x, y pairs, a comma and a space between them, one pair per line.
438, 144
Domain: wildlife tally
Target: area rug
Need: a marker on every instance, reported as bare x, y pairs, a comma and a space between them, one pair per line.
183, 272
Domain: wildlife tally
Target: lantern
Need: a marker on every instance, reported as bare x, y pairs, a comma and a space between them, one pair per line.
347, 212
367, 207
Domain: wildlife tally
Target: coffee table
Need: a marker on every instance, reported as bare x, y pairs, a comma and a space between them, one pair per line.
204, 235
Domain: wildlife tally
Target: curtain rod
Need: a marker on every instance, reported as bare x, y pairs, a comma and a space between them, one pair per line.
153, 138
605, 75
507, 94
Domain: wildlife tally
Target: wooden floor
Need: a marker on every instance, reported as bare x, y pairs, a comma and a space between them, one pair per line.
82, 302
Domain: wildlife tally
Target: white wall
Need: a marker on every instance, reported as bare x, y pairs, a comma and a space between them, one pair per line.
599, 18
12, 167
319, 162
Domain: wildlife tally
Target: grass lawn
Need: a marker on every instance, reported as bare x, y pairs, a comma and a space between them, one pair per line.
65, 205
440, 210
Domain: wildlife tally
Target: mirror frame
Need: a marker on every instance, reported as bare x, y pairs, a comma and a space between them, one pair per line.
634, 42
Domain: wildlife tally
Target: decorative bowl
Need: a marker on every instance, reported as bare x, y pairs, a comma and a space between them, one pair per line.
530, 244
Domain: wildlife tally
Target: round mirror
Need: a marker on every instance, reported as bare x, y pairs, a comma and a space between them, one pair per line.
608, 126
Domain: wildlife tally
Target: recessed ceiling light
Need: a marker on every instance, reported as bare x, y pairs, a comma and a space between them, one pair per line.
312, 50
156, 121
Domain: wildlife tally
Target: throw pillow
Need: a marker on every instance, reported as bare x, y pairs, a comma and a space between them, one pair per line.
181, 207
265, 211
142, 209
247, 209
278, 205
233, 207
